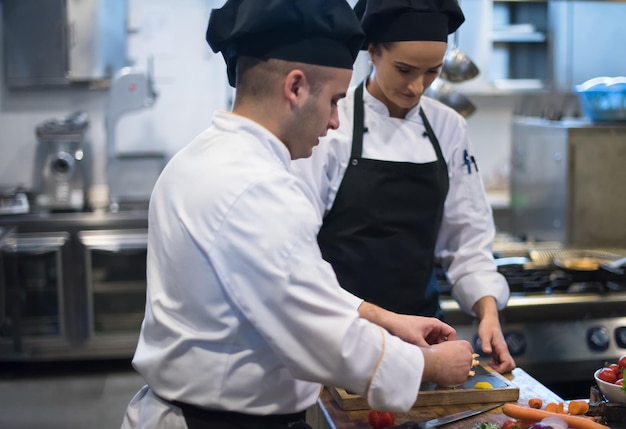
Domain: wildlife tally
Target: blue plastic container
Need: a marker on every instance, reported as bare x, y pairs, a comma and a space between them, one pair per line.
603, 99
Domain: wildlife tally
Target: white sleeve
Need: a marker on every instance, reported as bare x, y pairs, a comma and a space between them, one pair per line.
465, 240
307, 319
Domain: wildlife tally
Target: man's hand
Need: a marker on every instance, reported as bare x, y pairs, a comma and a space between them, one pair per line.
448, 364
418, 330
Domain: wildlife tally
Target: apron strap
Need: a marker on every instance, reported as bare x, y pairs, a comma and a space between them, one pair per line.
357, 127
431, 135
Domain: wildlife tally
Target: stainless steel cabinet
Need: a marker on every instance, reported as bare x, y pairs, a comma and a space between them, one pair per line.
59, 42
567, 182
116, 280
79, 286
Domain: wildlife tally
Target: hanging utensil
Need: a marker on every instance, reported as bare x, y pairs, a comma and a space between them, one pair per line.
457, 67
440, 90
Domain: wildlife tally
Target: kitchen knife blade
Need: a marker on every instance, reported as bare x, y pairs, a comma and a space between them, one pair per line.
440, 421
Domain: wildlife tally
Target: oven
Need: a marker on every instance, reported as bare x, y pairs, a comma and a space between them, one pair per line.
558, 328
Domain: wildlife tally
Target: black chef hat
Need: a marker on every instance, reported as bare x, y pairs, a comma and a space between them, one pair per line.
320, 32
405, 20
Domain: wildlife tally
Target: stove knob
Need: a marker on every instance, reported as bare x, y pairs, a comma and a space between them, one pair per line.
620, 337
516, 343
598, 338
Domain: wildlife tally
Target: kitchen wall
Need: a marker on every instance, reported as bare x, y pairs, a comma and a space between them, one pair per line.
191, 82
190, 79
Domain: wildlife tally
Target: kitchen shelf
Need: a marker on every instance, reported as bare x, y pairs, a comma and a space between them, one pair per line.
503, 36
519, 45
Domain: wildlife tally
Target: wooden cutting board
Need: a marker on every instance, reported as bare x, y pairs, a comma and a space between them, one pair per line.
430, 394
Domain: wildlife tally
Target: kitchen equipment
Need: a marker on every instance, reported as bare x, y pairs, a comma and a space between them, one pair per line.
61, 42
603, 98
444, 92
60, 181
131, 175
457, 66
79, 286
13, 201
567, 181
559, 326
441, 421
430, 394
589, 265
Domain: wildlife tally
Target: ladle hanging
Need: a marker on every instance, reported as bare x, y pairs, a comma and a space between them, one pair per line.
442, 91
457, 67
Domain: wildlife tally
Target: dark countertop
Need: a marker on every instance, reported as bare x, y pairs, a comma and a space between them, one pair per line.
41, 222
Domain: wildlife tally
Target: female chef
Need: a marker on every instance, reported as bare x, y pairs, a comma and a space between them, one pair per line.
395, 184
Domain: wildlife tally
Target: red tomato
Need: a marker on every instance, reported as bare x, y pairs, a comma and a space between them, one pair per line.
622, 361
515, 424
620, 382
510, 424
615, 367
608, 375
620, 374
381, 419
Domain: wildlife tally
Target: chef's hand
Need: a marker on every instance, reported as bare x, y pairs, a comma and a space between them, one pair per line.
491, 337
448, 363
418, 330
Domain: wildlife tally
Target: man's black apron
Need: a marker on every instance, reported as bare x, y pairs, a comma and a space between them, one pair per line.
202, 418
381, 231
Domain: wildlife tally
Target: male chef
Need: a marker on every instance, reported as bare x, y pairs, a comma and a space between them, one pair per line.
244, 320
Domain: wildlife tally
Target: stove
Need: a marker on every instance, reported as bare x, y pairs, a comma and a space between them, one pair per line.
558, 329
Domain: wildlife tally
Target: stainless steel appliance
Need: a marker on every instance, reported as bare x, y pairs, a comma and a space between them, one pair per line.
79, 288
567, 181
60, 176
559, 327
131, 175
61, 42
8, 290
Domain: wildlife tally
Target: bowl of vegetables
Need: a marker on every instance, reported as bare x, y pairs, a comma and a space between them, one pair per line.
610, 381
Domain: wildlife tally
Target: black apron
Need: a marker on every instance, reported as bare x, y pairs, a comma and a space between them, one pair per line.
381, 231
202, 418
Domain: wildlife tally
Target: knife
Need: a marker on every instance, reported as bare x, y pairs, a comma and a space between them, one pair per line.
440, 421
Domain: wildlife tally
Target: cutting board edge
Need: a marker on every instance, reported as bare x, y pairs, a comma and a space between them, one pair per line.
511, 393
350, 402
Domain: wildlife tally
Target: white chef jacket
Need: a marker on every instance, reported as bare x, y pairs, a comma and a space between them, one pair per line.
242, 312
465, 240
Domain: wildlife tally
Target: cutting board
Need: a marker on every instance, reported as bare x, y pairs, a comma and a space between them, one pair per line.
430, 394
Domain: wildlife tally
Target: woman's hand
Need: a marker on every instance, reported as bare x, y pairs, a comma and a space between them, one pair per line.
491, 337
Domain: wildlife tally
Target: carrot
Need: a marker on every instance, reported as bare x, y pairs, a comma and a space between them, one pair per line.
535, 403
561, 408
532, 414
552, 407
578, 407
